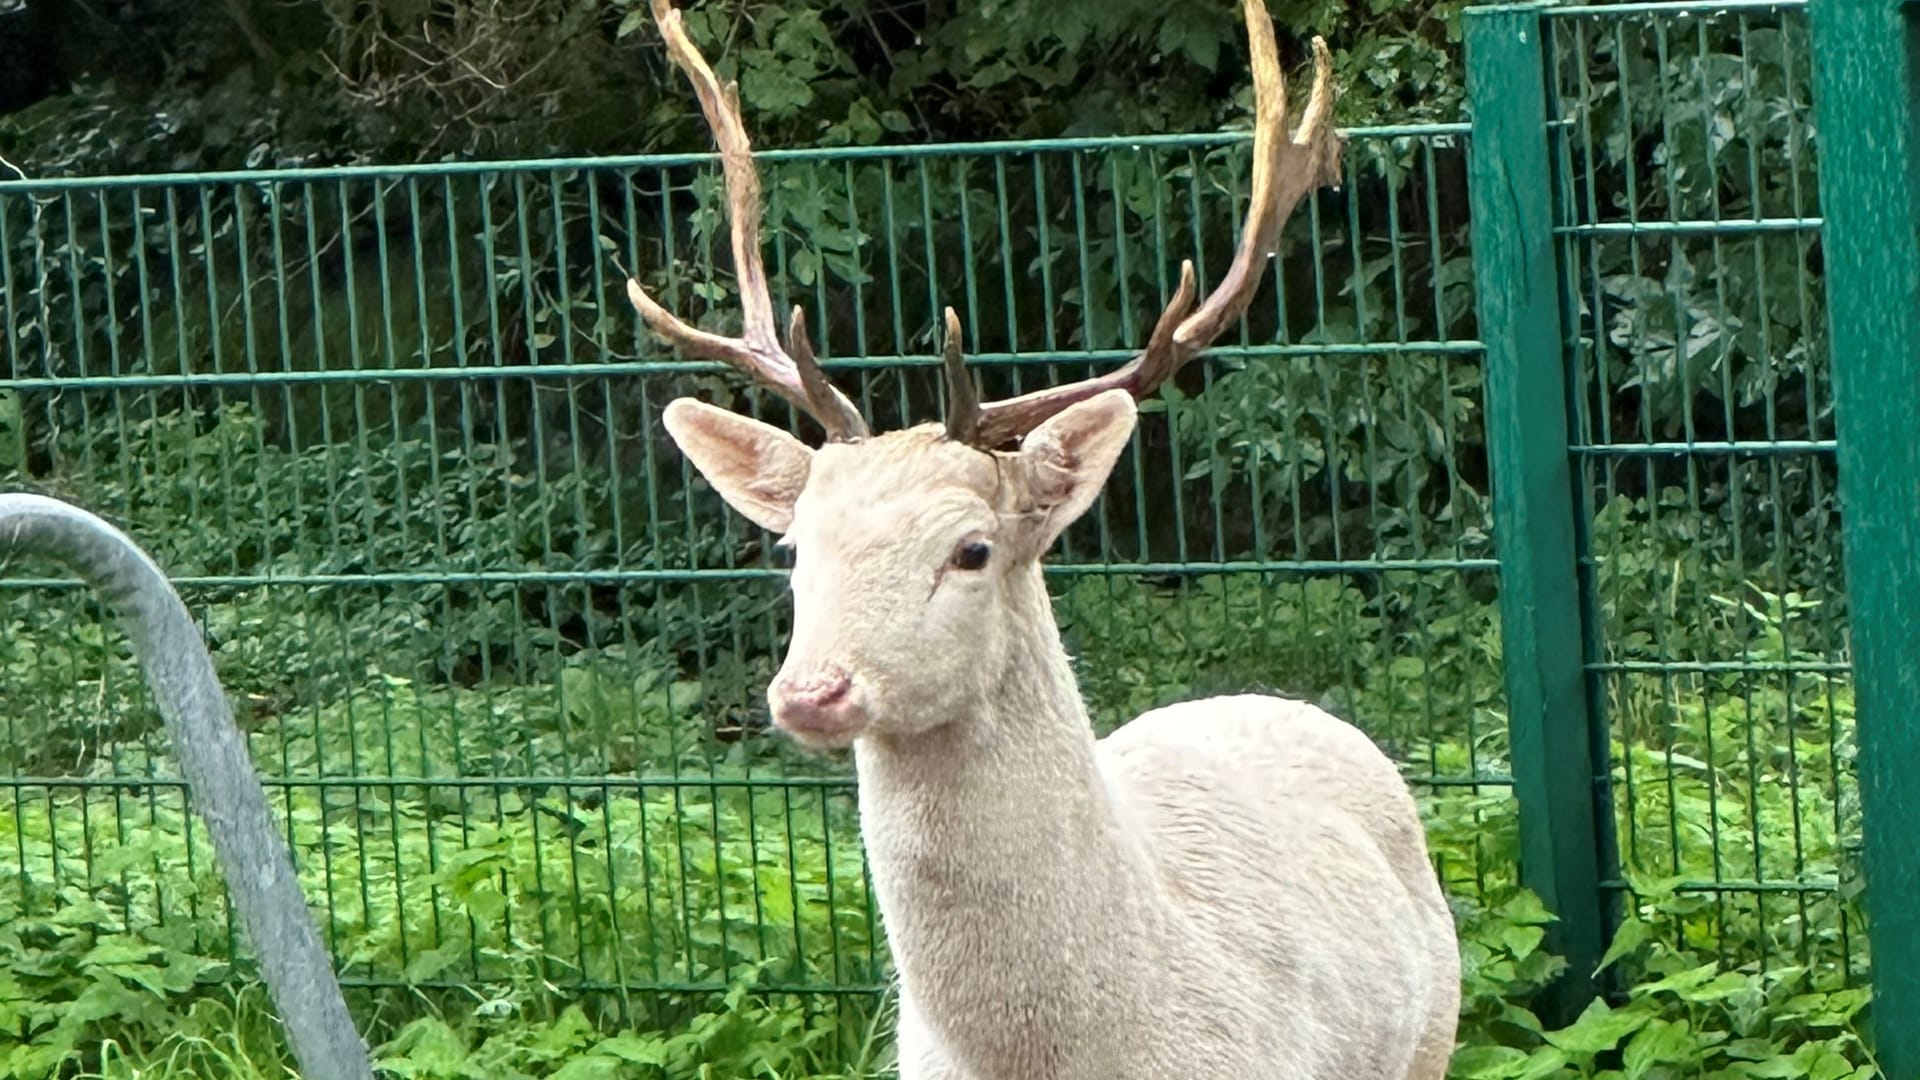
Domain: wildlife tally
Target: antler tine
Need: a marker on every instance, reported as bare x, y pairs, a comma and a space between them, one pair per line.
1285, 170
794, 375
963, 398
835, 413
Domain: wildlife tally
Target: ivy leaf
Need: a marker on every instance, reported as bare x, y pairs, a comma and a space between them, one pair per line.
1195, 39
589, 1068
425, 1047
1724, 985
114, 953
1599, 1029
1521, 940
1632, 934
1661, 1041
1526, 908
804, 265
634, 1048
769, 86
1507, 1063
1680, 983
861, 126
1487, 1062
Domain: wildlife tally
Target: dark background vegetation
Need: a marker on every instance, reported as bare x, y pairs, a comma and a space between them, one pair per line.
117, 86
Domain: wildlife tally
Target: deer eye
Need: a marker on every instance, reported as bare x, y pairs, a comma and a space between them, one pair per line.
971, 555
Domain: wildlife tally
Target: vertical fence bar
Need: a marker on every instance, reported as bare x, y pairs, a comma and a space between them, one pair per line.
1866, 102
1510, 185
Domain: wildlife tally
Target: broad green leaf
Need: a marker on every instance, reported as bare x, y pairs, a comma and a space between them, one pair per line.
571, 1031
426, 1047
1599, 1029
1830, 1065
1522, 940
1752, 1049
1724, 985
641, 1050
1487, 1062
1660, 1042
114, 951
589, 1068
1525, 907
1773, 1068
428, 963
1632, 934
1680, 982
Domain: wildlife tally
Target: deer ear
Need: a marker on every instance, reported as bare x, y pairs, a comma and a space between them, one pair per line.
757, 468
1068, 457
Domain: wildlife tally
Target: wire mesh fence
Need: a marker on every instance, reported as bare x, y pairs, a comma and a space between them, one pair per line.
503, 653
1703, 430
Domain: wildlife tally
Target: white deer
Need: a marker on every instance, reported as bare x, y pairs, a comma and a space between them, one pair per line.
1231, 888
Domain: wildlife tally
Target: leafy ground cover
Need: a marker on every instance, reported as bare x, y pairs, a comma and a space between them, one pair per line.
546, 851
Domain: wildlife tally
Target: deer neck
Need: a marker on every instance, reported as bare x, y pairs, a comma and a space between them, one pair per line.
1002, 863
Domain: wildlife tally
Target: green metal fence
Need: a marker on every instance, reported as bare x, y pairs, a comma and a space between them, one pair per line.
1652, 254
1672, 299
394, 432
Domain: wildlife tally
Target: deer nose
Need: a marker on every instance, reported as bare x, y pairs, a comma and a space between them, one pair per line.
819, 707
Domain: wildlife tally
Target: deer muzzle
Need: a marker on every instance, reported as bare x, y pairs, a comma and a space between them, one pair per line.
820, 708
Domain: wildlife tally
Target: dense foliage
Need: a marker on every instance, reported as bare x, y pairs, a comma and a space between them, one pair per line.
164, 85
505, 598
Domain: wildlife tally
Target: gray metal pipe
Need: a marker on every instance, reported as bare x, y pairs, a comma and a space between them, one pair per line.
213, 756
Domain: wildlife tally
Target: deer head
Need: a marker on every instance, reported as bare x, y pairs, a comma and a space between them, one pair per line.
916, 553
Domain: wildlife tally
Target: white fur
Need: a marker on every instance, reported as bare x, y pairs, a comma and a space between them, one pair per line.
1230, 888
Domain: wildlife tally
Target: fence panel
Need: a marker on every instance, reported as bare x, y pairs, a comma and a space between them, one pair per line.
1673, 144
1703, 435
394, 432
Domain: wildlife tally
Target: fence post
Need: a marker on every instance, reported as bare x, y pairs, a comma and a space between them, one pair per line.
1535, 509
1865, 54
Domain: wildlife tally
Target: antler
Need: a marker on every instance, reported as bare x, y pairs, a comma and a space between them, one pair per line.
794, 375
1285, 170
